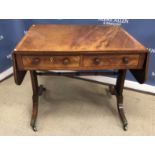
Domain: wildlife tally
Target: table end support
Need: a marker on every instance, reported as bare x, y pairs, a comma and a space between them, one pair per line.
117, 90
37, 91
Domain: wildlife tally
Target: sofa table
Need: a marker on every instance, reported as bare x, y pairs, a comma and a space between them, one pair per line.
84, 49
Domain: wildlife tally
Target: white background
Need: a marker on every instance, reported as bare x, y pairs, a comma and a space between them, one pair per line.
77, 9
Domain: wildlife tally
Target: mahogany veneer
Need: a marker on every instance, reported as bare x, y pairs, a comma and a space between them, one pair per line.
88, 49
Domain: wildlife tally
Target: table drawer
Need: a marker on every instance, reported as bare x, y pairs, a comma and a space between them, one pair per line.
50, 62
116, 61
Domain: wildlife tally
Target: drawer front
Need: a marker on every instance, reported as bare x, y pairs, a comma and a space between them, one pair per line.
111, 61
50, 62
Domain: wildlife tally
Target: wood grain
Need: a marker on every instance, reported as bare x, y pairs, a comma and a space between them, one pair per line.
71, 38
111, 60
51, 62
80, 62
86, 47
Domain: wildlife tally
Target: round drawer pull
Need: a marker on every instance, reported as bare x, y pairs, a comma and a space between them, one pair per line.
51, 59
66, 61
97, 61
35, 60
125, 60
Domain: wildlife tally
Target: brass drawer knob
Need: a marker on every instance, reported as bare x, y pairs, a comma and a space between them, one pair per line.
35, 61
66, 61
125, 60
97, 61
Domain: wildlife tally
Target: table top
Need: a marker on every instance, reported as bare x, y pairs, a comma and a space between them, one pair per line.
82, 38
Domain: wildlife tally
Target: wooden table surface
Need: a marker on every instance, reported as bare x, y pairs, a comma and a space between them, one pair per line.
71, 38
80, 47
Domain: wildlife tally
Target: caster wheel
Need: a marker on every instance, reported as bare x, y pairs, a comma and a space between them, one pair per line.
125, 127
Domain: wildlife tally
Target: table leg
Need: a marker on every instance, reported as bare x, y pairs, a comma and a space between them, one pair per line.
118, 91
37, 91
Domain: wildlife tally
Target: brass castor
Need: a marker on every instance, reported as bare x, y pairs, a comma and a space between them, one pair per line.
125, 127
33, 125
34, 128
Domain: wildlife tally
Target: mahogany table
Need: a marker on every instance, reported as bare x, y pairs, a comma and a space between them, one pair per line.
85, 49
